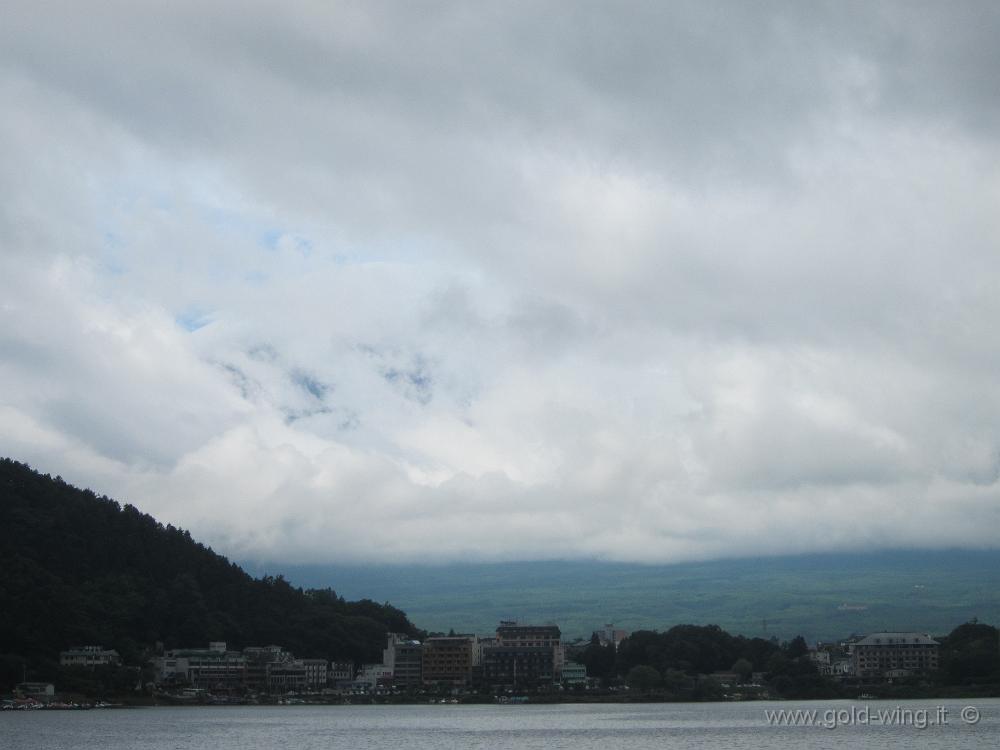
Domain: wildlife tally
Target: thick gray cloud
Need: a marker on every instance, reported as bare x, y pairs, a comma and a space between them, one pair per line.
379, 281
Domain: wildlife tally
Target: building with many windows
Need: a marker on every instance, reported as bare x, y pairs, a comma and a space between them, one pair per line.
523, 655
448, 659
894, 654
403, 656
316, 673
89, 656
373, 678
214, 668
341, 671
286, 677
574, 673
518, 666
258, 660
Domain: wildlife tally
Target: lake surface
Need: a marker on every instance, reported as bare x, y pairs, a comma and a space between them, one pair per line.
575, 727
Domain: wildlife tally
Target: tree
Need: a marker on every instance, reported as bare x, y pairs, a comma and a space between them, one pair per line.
643, 678
79, 569
797, 647
970, 654
677, 682
599, 659
744, 669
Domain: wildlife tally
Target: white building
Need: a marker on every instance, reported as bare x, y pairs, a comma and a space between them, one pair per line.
89, 656
574, 674
822, 661
842, 668
341, 671
212, 668
39, 690
317, 673
371, 675
403, 657
286, 677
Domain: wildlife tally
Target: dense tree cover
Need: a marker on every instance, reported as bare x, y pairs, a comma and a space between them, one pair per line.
79, 569
970, 655
643, 678
680, 658
674, 663
693, 649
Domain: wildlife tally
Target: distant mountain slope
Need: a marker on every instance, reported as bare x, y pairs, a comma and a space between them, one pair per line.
818, 596
76, 568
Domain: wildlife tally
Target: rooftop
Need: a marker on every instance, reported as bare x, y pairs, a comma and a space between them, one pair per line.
889, 638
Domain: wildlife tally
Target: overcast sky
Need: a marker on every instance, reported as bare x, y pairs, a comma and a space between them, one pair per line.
433, 281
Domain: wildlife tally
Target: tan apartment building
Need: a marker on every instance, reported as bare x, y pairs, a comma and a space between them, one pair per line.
448, 659
878, 654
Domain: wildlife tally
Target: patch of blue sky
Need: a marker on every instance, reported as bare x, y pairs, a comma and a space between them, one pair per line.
112, 241
113, 266
303, 246
269, 238
111, 260
192, 319
278, 239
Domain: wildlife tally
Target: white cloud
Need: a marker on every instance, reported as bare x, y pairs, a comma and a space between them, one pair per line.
356, 283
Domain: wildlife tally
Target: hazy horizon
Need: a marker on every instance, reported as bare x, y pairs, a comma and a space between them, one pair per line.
819, 596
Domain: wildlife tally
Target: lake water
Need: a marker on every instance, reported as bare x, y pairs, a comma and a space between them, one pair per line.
574, 726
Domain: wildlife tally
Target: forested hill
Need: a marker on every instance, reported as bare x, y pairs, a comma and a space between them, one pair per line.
80, 569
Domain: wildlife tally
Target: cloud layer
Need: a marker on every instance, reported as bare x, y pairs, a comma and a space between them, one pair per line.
640, 282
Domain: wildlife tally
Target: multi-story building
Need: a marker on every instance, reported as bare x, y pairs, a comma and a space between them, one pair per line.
341, 671
374, 677
258, 658
214, 668
518, 666
509, 633
404, 658
841, 668
523, 655
574, 674
482, 644
286, 677
448, 659
262, 669
846, 646
879, 654
89, 656
611, 636
822, 661
317, 671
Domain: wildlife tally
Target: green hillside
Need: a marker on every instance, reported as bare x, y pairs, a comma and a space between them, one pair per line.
817, 596
80, 569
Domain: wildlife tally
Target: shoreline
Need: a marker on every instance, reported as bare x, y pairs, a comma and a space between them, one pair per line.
484, 701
